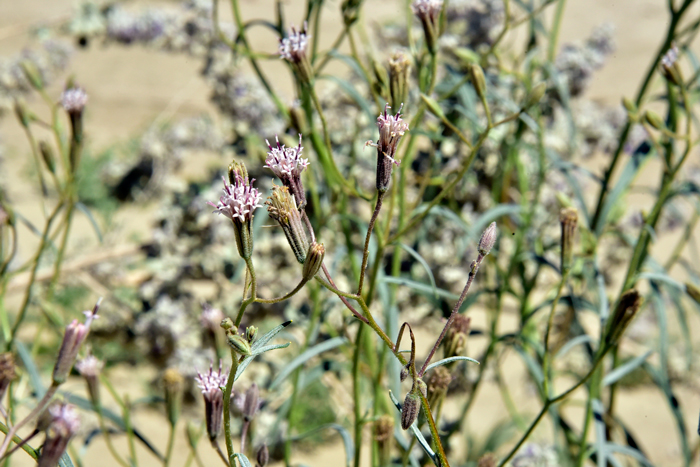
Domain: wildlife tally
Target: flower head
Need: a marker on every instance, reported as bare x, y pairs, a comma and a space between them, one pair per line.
239, 200
427, 9
74, 99
391, 129
287, 164
282, 207
211, 384
89, 366
63, 423
72, 340
293, 47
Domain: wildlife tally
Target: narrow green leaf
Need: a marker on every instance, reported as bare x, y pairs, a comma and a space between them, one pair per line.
84, 209
445, 361
65, 461
267, 348
578, 340
423, 263
305, 356
243, 460
419, 287
268, 336
31, 368
620, 372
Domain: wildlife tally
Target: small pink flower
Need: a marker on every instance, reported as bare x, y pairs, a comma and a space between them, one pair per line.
287, 164
63, 425
293, 47
211, 384
73, 100
239, 200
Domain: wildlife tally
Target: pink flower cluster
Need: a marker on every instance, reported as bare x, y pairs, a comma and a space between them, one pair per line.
239, 200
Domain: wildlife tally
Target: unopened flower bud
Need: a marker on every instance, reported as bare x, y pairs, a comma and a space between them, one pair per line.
399, 68
211, 384
351, 11
422, 387
89, 368
7, 372
314, 260
456, 336
172, 383
381, 79
72, 340
693, 292
568, 218
48, 156
263, 456
535, 95
384, 436
404, 373
226, 324
653, 119
487, 240
252, 402
478, 80
238, 343
410, 409
33, 75
22, 114
630, 106
251, 332
63, 423
438, 382
282, 208
627, 308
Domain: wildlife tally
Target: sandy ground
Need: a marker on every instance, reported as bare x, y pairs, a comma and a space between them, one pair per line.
130, 88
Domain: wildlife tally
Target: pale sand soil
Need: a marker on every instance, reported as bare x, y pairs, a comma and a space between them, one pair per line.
129, 88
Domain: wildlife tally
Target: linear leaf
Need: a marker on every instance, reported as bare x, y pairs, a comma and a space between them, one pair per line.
423, 263
445, 361
578, 340
305, 356
85, 210
268, 336
620, 372
243, 460
249, 359
420, 287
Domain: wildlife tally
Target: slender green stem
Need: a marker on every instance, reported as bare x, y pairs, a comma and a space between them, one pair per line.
68, 218
554, 32
365, 251
171, 443
20, 442
227, 406
357, 394
129, 430
43, 403
253, 291
108, 437
550, 322
32, 276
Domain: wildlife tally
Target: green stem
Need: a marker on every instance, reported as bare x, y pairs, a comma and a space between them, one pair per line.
19, 441
357, 395
554, 33
550, 321
171, 443
227, 406
365, 251
108, 437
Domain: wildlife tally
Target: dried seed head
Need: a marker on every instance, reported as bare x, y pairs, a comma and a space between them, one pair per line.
410, 409
391, 129
172, 383
314, 260
252, 402
287, 164
282, 208
456, 337
72, 340
61, 425
7, 372
211, 384
568, 218
487, 240
384, 436
263, 456
487, 460
630, 303
438, 381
